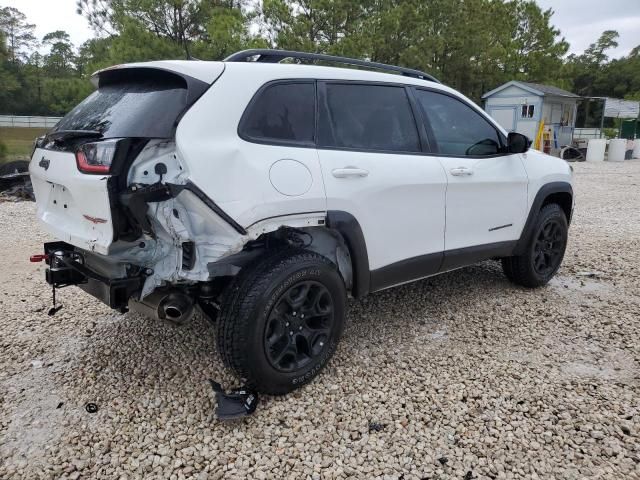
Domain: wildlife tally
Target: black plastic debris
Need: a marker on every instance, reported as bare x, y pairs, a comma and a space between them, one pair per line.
468, 475
91, 407
237, 403
15, 183
443, 460
376, 427
60, 405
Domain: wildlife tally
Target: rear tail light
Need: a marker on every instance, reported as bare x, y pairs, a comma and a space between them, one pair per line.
96, 157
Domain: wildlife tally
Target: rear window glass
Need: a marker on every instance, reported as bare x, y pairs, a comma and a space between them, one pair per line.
144, 108
283, 112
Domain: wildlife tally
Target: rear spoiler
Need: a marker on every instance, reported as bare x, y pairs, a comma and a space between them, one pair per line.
131, 73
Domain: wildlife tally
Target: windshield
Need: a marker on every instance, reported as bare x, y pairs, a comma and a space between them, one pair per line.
145, 108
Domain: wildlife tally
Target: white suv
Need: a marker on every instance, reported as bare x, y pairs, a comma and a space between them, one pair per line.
263, 193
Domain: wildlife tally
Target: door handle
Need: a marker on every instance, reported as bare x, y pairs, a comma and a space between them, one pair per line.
461, 172
349, 172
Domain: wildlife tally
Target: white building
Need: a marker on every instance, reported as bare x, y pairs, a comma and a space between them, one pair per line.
520, 106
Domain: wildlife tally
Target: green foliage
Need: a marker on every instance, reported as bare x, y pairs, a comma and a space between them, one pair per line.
471, 45
19, 35
593, 74
60, 59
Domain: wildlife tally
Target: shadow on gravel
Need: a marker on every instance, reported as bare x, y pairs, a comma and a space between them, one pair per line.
135, 358
428, 301
125, 345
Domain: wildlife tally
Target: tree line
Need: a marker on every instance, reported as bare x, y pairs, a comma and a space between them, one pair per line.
471, 45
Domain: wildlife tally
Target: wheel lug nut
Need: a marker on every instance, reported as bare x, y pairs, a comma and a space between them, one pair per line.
286, 324
322, 344
300, 328
291, 333
302, 316
295, 313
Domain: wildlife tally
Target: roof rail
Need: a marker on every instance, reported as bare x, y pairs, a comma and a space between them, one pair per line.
266, 55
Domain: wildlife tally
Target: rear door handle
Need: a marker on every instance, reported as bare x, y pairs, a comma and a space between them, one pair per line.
461, 171
349, 172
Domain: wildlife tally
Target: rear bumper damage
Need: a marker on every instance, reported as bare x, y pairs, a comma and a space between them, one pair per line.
67, 266
163, 238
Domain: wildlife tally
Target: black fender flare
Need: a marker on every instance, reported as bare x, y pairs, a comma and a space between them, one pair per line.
350, 229
536, 205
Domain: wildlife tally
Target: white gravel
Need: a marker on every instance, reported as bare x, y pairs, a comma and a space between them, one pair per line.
465, 375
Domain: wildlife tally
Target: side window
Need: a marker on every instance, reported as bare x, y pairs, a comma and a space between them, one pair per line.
368, 117
283, 112
458, 129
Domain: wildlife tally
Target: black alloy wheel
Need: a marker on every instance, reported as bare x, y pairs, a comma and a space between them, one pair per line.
299, 326
549, 247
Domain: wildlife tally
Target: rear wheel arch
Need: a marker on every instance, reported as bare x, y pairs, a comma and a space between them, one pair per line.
349, 228
338, 237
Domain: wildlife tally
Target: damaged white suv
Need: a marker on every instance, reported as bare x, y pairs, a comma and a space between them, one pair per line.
263, 193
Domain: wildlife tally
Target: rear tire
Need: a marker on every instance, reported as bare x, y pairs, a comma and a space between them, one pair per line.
544, 251
281, 320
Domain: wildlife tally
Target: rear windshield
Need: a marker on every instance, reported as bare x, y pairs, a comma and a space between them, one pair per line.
145, 108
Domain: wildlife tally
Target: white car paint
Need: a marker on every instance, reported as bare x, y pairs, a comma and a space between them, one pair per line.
72, 206
400, 203
486, 200
407, 205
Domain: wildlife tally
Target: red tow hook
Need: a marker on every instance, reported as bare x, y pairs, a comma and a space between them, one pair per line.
38, 258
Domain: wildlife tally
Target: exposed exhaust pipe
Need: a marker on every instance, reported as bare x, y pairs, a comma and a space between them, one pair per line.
172, 305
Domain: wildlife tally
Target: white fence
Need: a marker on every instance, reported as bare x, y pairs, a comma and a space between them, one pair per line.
27, 121
587, 133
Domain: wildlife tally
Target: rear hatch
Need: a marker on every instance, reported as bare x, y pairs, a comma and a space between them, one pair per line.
78, 168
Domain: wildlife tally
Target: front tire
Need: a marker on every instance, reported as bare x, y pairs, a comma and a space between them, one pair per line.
544, 252
281, 320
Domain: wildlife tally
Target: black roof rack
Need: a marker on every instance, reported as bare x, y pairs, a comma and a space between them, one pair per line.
266, 55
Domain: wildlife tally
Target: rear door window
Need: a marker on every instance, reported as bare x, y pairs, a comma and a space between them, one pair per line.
458, 129
146, 108
281, 113
368, 117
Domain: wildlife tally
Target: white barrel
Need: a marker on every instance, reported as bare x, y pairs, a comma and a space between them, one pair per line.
595, 149
636, 149
617, 149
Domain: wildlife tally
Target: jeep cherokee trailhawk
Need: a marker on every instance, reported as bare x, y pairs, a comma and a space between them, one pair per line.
263, 193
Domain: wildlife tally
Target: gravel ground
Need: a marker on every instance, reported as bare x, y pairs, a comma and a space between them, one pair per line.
463, 375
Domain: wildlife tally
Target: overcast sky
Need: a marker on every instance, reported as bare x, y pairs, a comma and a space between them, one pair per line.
580, 21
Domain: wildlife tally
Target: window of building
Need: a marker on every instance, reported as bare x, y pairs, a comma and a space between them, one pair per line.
527, 111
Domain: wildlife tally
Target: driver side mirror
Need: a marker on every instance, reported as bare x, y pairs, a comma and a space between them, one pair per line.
517, 143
